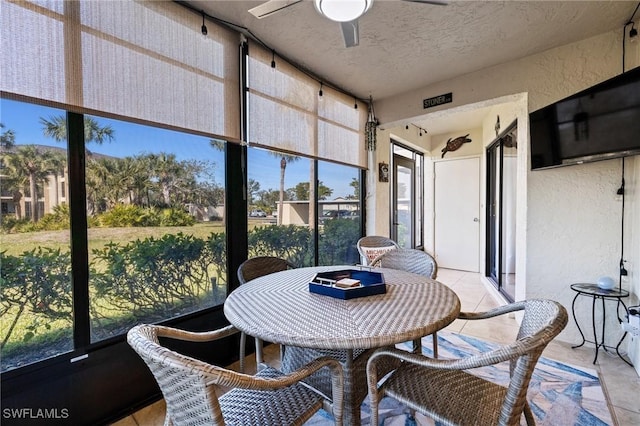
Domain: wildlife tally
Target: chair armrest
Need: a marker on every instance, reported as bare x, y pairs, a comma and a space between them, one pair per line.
246, 381
503, 353
500, 310
194, 336
229, 378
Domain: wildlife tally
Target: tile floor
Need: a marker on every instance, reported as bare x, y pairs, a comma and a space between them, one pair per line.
620, 382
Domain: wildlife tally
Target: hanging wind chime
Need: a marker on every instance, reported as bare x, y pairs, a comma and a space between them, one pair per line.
370, 127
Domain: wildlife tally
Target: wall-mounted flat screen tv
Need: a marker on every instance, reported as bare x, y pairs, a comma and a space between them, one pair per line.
599, 123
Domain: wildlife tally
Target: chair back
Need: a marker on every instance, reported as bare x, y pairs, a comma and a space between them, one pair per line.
181, 379
373, 246
409, 260
543, 320
260, 266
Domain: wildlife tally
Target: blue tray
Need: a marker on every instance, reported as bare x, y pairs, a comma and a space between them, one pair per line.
370, 283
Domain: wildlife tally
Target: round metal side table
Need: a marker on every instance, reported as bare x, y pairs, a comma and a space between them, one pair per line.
595, 292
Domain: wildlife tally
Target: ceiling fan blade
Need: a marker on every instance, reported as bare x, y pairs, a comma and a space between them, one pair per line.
350, 33
435, 2
271, 7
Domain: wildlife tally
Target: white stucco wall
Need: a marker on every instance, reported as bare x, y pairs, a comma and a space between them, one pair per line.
632, 245
568, 219
547, 77
573, 230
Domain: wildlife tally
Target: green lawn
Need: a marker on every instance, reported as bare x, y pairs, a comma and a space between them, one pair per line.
16, 244
48, 338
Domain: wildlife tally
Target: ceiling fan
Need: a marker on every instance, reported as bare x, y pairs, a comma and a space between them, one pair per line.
345, 12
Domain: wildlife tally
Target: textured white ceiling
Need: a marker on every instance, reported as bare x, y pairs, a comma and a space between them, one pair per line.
406, 45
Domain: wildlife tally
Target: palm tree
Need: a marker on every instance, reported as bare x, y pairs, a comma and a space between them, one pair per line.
28, 163
127, 169
56, 128
109, 181
7, 139
11, 183
94, 181
141, 183
284, 159
164, 168
355, 184
217, 144
312, 196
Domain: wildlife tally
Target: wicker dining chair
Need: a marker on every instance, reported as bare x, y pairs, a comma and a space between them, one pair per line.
253, 268
416, 261
373, 246
189, 385
441, 388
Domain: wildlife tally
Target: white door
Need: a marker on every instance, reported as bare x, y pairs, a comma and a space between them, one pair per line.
457, 214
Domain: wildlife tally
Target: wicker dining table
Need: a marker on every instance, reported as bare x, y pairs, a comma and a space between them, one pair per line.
279, 308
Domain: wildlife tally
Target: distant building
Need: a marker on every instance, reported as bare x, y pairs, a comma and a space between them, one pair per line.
54, 192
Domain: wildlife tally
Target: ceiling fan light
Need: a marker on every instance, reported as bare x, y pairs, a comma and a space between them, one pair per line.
342, 10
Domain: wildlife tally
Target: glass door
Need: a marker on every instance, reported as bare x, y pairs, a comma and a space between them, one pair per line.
407, 195
501, 212
493, 202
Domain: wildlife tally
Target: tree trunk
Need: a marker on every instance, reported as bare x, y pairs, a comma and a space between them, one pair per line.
283, 166
12, 326
166, 194
34, 198
312, 196
17, 196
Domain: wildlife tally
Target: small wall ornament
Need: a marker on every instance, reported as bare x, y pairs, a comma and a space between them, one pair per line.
383, 172
453, 145
370, 127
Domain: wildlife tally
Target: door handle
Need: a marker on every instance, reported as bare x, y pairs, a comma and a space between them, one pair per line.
475, 219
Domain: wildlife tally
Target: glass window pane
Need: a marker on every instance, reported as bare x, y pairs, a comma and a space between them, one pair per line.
405, 203
35, 277
280, 215
419, 194
287, 113
339, 214
81, 53
155, 200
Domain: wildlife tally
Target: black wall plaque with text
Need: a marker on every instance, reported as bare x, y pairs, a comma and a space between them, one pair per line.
437, 100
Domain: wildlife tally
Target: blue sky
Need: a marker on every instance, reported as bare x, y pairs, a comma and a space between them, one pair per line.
132, 139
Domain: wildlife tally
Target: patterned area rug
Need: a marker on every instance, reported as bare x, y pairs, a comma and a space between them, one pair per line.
559, 393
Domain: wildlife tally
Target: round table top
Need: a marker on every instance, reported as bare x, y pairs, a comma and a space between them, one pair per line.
279, 308
594, 290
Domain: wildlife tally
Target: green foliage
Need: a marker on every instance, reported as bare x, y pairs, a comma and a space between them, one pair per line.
301, 191
11, 224
126, 215
338, 242
7, 138
55, 221
217, 248
288, 242
148, 279
176, 217
38, 281
267, 200
154, 278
